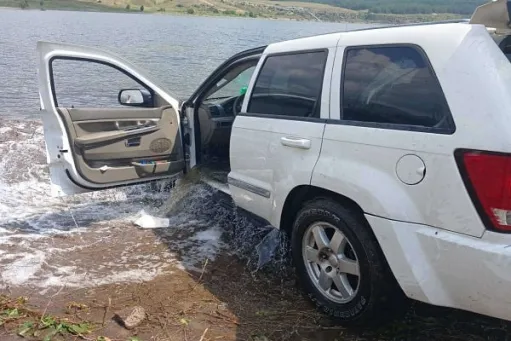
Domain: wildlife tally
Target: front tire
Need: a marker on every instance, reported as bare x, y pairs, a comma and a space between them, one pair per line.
340, 264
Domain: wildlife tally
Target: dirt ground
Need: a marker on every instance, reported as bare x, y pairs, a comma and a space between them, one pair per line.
222, 299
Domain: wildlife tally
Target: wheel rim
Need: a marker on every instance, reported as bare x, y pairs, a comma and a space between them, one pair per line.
331, 262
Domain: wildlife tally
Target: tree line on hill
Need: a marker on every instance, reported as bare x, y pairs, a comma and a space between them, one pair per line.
463, 7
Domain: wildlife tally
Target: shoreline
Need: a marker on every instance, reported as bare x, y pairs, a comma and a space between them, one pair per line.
299, 15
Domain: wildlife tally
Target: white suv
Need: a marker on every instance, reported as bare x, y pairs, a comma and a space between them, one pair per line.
384, 153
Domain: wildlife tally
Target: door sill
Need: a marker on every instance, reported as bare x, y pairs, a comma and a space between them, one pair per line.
218, 185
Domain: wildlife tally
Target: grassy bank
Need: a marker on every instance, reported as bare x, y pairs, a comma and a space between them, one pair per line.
71, 5
272, 9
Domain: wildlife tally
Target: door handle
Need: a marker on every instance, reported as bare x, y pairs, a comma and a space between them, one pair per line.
132, 142
296, 142
140, 124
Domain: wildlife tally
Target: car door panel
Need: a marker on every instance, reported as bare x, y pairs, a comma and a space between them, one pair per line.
288, 139
293, 152
109, 150
251, 175
100, 146
261, 177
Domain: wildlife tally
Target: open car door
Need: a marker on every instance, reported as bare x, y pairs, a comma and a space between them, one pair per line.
106, 123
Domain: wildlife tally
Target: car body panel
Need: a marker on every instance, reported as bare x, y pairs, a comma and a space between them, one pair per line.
448, 269
367, 156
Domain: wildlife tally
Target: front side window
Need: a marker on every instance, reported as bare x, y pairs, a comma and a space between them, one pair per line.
392, 85
289, 85
233, 83
90, 84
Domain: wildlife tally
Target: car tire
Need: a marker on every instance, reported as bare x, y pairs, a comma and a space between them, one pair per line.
346, 247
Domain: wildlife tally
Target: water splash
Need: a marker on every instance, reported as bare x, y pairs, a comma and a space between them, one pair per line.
267, 247
82, 240
25, 204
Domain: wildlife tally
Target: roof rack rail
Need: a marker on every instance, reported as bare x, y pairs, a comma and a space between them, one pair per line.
440, 22
454, 21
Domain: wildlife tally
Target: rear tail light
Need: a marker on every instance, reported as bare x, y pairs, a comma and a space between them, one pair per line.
487, 177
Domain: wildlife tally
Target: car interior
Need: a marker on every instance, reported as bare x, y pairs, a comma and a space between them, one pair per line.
215, 111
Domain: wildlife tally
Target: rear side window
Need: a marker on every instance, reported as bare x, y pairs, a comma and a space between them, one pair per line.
289, 85
393, 86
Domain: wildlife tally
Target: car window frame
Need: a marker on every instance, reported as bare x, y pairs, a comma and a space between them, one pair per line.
259, 70
449, 130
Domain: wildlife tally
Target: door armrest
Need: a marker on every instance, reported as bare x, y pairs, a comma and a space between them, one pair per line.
109, 136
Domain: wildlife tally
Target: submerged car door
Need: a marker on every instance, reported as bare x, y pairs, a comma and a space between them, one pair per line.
106, 123
276, 139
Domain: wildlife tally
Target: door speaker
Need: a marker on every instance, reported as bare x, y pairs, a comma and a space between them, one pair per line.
160, 146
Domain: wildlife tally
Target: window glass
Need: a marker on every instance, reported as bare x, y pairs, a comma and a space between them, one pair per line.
392, 85
231, 88
289, 85
87, 84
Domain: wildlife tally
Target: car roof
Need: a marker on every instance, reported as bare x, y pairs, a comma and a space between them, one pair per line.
409, 33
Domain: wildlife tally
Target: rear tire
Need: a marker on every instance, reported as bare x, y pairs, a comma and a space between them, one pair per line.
340, 264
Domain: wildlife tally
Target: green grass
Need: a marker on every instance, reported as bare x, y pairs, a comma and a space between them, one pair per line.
34, 326
17, 318
71, 5
462, 7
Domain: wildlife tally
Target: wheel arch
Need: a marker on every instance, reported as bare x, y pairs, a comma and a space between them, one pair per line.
301, 194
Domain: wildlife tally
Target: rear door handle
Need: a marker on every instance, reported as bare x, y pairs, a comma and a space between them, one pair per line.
296, 142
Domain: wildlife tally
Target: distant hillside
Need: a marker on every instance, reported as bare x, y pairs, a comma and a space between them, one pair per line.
463, 7
366, 11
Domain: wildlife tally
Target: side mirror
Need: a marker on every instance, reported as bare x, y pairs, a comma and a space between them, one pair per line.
135, 97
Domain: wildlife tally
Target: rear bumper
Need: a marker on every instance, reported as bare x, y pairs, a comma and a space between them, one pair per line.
448, 269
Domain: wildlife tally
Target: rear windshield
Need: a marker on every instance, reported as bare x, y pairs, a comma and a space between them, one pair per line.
504, 43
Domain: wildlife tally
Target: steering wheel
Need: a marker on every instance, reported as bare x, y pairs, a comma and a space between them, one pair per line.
236, 107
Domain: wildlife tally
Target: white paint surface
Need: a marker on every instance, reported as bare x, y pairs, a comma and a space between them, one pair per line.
448, 269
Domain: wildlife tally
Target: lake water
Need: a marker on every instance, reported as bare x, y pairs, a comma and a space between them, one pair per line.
180, 50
